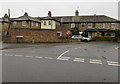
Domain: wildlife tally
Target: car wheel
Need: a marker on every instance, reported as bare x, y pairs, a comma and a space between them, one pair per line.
85, 40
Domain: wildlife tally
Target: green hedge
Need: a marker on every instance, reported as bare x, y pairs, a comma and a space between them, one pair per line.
114, 39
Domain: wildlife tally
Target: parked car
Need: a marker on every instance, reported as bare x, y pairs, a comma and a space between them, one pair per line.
85, 39
76, 37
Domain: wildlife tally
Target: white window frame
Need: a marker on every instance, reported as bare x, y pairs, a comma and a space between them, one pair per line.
37, 24
103, 25
24, 23
90, 25
49, 22
60, 34
14, 23
113, 25
45, 23
83, 24
72, 25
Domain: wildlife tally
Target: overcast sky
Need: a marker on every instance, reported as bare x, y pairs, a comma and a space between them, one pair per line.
60, 8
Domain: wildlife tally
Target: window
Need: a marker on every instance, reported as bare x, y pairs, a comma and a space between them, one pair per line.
113, 34
103, 25
32, 23
59, 34
24, 23
82, 25
113, 25
37, 24
6, 33
49, 22
89, 25
72, 25
14, 23
44, 22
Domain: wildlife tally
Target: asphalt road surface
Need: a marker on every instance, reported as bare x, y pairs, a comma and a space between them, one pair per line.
60, 62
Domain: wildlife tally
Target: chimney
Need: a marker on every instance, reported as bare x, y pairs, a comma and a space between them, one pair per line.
6, 16
26, 14
9, 13
49, 14
76, 13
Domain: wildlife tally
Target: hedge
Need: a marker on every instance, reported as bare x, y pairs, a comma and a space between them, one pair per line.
114, 39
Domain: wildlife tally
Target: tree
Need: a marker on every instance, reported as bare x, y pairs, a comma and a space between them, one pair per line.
75, 31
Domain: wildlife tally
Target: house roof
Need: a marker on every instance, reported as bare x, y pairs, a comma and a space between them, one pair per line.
25, 17
49, 18
92, 18
5, 18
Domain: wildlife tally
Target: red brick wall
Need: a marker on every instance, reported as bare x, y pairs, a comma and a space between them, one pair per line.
37, 35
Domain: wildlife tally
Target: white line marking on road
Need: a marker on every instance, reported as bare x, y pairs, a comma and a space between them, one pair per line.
28, 56
62, 54
8, 55
38, 57
0, 54
3, 50
113, 63
77, 48
94, 61
48, 57
79, 60
18, 55
64, 58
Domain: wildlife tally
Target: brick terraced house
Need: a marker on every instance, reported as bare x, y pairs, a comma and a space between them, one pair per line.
53, 28
93, 26
31, 29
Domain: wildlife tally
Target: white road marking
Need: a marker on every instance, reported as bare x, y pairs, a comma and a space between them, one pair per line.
77, 48
48, 57
94, 61
3, 50
64, 58
113, 63
62, 54
38, 57
79, 60
18, 55
0, 54
116, 48
8, 55
28, 56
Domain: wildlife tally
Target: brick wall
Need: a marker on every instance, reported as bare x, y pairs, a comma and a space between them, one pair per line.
36, 35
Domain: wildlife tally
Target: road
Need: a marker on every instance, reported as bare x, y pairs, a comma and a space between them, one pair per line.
60, 62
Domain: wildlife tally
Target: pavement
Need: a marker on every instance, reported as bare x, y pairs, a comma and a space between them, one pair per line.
60, 62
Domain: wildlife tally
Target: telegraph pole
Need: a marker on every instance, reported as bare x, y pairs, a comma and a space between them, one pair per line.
9, 22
